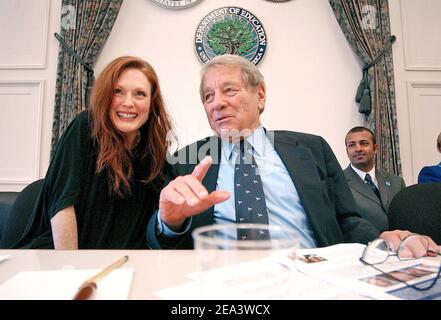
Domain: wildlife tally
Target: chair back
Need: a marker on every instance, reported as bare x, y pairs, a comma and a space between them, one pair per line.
6, 201
19, 214
417, 208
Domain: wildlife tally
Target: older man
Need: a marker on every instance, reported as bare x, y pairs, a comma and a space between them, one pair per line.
289, 179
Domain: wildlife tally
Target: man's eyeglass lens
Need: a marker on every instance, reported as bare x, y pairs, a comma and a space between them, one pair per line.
411, 247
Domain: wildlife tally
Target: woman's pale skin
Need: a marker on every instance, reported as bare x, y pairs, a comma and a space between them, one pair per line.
129, 111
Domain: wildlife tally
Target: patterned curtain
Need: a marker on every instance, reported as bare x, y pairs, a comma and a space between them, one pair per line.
365, 24
85, 26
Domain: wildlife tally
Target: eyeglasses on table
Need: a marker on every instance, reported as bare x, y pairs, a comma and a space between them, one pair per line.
413, 246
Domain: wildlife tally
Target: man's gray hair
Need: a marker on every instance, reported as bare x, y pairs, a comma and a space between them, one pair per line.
250, 74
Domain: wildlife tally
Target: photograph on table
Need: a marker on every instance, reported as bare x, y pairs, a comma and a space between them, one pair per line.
311, 258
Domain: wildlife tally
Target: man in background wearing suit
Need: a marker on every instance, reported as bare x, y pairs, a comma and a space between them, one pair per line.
372, 189
291, 179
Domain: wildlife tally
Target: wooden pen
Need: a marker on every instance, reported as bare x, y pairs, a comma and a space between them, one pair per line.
87, 290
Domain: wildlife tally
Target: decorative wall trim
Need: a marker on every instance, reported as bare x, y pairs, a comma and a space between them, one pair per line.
412, 61
34, 88
38, 61
423, 84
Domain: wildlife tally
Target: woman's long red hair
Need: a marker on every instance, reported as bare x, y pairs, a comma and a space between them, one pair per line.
112, 153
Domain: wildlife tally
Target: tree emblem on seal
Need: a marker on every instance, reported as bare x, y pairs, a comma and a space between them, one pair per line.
231, 36
230, 30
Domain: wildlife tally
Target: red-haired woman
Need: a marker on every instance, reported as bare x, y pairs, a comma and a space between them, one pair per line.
104, 180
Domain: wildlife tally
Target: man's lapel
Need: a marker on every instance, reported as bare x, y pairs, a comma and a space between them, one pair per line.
361, 187
384, 186
304, 173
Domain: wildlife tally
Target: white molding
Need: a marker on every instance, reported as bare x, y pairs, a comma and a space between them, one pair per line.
42, 59
25, 181
39, 84
414, 63
14, 186
415, 89
424, 84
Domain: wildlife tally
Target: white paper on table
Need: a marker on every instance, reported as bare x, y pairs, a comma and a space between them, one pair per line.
3, 257
309, 289
343, 260
342, 268
302, 287
64, 284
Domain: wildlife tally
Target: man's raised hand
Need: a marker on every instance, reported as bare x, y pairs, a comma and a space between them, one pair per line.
186, 196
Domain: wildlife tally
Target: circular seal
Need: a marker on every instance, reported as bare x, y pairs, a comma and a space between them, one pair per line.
176, 4
230, 30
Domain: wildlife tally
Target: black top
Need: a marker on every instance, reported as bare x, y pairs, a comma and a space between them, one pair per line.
104, 219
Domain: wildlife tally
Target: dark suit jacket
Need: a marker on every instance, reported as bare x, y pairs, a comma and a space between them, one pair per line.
370, 207
316, 174
430, 174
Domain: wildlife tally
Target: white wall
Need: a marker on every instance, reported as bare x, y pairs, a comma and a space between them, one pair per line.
310, 69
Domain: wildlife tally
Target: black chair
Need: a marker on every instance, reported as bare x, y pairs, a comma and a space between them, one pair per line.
6, 201
19, 214
417, 208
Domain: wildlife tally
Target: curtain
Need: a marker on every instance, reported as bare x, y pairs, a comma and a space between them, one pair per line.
366, 26
85, 26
